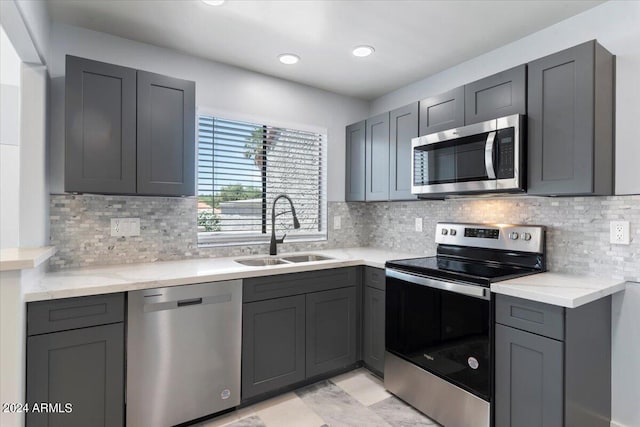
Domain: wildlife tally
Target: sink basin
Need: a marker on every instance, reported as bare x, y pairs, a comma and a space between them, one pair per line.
260, 262
306, 258
264, 261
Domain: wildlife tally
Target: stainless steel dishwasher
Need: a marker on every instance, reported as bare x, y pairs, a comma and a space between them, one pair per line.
183, 352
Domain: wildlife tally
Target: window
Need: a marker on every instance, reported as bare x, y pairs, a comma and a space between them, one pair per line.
243, 167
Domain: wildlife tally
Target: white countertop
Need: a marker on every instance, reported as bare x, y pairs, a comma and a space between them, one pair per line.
23, 258
128, 277
565, 290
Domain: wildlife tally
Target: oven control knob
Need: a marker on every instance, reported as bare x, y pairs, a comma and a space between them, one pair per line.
452, 231
526, 236
514, 235
445, 231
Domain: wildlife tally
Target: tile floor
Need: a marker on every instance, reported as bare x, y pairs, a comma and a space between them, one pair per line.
354, 399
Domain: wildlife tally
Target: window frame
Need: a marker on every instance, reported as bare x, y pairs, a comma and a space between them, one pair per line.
242, 238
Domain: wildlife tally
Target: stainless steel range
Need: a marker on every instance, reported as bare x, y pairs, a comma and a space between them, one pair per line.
439, 318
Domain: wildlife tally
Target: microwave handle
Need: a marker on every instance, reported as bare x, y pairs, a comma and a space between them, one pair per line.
488, 155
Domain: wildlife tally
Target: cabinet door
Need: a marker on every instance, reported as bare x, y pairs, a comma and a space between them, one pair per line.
402, 128
331, 330
496, 96
100, 116
83, 367
273, 333
529, 379
562, 120
166, 135
377, 158
442, 112
373, 340
355, 155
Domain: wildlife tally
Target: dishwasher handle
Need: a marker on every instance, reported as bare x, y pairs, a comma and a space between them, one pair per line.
192, 301
171, 305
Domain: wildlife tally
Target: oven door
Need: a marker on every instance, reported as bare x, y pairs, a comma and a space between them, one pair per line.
442, 327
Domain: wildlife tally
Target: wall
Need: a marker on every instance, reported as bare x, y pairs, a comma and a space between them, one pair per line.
221, 89
9, 143
615, 24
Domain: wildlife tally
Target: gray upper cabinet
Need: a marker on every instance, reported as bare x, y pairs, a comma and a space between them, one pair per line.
403, 127
128, 131
100, 115
166, 135
498, 95
355, 164
377, 158
442, 112
570, 126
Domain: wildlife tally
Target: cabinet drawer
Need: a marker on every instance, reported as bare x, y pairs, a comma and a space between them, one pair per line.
531, 316
374, 277
262, 288
73, 313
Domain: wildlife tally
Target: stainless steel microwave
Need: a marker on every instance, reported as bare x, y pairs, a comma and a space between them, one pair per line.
480, 158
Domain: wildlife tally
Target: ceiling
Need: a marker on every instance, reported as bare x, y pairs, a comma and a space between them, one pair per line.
412, 39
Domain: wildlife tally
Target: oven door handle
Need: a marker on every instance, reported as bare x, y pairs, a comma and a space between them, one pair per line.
458, 288
488, 155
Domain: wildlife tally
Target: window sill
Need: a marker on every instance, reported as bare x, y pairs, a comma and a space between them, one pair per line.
251, 241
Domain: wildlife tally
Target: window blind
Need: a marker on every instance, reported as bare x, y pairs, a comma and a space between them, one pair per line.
243, 167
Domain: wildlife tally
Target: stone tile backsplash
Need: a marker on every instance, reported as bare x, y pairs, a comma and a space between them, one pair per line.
577, 228
577, 238
80, 229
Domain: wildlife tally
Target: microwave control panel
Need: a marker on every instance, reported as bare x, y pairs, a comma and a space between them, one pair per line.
505, 149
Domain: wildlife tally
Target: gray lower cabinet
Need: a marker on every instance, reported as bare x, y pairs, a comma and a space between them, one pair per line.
442, 112
355, 162
570, 122
377, 158
82, 367
501, 94
298, 326
552, 364
273, 344
373, 324
100, 115
529, 373
128, 131
331, 330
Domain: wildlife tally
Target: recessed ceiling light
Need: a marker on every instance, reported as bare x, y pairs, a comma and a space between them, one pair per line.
213, 2
362, 51
288, 58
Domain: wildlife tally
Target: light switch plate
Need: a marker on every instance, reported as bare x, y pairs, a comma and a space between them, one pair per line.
337, 222
619, 232
419, 224
125, 227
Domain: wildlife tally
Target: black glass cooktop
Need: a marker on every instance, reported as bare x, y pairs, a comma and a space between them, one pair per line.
476, 272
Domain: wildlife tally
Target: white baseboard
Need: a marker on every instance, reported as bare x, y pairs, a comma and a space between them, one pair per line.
615, 424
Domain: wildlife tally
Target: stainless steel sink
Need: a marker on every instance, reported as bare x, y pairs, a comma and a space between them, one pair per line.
306, 258
291, 259
260, 262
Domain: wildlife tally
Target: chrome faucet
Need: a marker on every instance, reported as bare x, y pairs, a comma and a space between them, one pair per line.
273, 246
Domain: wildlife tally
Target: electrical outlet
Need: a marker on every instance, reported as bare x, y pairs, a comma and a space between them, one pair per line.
419, 224
125, 227
619, 232
337, 222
